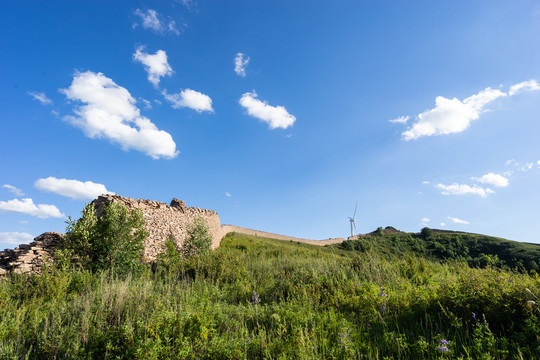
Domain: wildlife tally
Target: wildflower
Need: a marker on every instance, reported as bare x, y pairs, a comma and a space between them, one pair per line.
443, 341
255, 298
383, 294
443, 348
473, 315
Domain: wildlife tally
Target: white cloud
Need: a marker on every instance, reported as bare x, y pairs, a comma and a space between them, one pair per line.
16, 238
529, 85
240, 64
109, 112
425, 220
275, 116
538, 163
74, 189
463, 189
443, 224
147, 104
492, 179
155, 65
511, 162
400, 120
458, 221
41, 97
451, 115
228, 194
152, 20
13, 189
186, 3
27, 206
190, 98
426, 182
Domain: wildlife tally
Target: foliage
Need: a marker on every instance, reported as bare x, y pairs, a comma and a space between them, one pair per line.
475, 250
114, 241
198, 241
255, 298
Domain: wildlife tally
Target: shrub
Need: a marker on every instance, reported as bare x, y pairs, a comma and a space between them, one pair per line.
113, 241
198, 241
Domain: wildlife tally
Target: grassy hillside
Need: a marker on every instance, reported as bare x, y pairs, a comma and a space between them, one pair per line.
257, 298
474, 249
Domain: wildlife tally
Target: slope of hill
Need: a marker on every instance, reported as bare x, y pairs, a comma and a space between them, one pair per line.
256, 298
475, 249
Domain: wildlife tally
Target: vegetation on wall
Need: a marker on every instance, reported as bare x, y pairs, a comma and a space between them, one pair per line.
114, 240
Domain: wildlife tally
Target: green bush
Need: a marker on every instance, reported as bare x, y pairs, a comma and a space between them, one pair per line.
198, 241
113, 241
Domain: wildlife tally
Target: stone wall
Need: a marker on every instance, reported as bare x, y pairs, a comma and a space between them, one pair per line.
225, 229
31, 257
160, 220
163, 221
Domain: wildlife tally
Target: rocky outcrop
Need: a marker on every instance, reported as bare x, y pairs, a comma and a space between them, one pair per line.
31, 257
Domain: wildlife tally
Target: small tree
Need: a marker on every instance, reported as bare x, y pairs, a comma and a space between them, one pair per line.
426, 233
113, 241
198, 241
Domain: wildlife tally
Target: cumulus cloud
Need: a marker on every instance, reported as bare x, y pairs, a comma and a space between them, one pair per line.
156, 65
492, 179
443, 224
27, 206
458, 221
191, 99
16, 238
151, 19
13, 189
529, 85
41, 97
228, 194
110, 112
275, 116
240, 63
450, 116
425, 220
400, 120
74, 189
463, 189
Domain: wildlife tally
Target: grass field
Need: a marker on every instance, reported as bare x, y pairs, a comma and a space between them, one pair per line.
256, 298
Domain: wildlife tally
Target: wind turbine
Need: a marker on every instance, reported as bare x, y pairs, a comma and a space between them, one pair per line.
352, 219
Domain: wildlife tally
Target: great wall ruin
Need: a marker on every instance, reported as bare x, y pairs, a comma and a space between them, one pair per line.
162, 221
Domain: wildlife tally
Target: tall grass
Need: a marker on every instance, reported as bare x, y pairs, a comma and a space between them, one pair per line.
312, 303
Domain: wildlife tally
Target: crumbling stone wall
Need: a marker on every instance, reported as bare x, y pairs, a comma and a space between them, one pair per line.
160, 220
163, 221
31, 257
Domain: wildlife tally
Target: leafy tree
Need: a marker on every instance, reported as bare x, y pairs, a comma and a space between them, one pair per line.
426, 233
198, 241
114, 241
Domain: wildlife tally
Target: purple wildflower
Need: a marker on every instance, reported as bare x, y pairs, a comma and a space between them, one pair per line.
443, 348
255, 298
473, 315
443, 341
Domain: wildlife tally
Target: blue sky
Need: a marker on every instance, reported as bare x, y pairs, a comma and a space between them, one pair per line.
279, 115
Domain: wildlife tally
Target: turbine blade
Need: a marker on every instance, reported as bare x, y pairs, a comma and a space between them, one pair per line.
355, 207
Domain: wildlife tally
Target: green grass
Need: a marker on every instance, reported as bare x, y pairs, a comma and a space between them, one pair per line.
475, 249
310, 303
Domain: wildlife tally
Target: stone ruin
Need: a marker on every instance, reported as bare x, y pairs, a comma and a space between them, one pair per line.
162, 222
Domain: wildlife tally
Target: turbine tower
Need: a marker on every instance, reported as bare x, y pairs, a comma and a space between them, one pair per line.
352, 219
